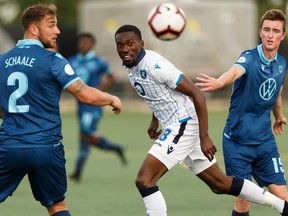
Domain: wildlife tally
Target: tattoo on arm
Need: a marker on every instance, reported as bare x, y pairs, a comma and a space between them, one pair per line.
80, 86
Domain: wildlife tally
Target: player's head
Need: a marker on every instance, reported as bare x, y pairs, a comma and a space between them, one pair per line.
129, 44
272, 29
274, 15
85, 42
39, 22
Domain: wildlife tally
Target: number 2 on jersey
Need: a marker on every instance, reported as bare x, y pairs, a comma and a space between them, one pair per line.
19, 92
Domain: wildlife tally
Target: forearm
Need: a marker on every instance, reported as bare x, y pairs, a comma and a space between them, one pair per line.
202, 114
95, 97
277, 109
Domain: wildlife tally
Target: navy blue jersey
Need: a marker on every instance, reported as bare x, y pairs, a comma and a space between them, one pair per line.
31, 81
253, 97
90, 68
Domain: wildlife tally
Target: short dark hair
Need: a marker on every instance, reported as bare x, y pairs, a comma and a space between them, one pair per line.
86, 35
274, 14
36, 13
129, 28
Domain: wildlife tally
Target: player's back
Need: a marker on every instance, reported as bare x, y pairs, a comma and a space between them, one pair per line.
29, 96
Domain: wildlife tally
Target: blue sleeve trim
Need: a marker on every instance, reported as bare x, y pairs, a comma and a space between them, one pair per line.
179, 79
241, 67
71, 82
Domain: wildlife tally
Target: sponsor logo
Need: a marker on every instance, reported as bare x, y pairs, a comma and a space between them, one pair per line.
267, 89
170, 149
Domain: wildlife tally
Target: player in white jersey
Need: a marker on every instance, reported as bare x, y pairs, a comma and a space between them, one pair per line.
185, 135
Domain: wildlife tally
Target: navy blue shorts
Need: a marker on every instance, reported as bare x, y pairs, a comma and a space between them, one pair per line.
45, 167
262, 162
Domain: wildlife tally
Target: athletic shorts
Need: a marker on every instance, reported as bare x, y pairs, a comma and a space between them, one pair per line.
180, 143
45, 167
262, 162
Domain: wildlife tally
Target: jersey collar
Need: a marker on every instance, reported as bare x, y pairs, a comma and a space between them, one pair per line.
262, 56
27, 42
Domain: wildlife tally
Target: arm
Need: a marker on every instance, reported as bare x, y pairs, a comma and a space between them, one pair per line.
106, 83
278, 115
188, 88
209, 84
93, 96
152, 130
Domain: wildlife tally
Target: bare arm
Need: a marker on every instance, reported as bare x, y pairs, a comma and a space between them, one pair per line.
188, 88
209, 84
93, 96
278, 115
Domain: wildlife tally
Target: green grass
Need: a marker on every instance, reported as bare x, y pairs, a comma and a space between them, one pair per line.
107, 188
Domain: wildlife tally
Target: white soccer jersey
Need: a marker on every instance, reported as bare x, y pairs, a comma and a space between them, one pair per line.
155, 79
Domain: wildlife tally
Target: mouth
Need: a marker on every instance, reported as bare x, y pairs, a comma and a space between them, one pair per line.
126, 58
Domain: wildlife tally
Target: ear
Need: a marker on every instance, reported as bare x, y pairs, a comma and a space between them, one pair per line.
34, 30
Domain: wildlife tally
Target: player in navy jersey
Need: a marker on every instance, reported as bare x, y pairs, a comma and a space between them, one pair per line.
94, 71
185, 136
31, 80
249, 145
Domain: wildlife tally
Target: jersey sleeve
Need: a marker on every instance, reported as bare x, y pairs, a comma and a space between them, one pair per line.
62, 71
244, 60
165, 72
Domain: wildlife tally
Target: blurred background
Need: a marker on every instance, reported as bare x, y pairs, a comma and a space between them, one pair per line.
217, 32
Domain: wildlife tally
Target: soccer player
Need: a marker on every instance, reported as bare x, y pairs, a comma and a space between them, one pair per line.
185, 136
31, 80
95, 72
249, 145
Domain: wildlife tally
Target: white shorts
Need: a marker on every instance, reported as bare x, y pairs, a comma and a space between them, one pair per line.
181, 143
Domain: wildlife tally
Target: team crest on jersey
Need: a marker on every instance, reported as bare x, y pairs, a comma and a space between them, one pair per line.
280, 68
242, 59
267, 89
143, 74
68, 69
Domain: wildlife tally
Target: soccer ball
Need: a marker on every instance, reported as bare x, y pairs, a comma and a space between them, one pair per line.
167, 21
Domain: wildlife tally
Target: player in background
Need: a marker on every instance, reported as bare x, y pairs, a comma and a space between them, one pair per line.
95, 72
31, 82
185, 136
249, 146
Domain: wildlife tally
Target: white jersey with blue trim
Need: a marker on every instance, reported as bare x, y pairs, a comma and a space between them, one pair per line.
155, 79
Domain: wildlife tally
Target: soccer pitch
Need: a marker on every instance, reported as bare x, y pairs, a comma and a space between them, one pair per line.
107, 188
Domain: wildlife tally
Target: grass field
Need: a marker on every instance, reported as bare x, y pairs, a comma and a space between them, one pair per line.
107, 188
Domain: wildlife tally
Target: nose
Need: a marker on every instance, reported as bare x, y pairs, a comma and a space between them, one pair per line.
270, 34
57, 31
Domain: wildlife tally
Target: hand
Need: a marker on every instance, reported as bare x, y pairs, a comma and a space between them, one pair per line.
278, 125
116, 104
207, 84
208, 148
152, 130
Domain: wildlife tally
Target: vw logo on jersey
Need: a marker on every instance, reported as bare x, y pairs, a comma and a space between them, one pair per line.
267, 89
143, 74
139, 88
